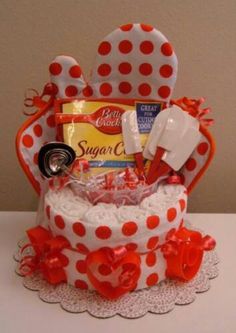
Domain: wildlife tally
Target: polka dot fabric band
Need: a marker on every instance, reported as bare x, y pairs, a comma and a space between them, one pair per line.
197, 162
88, 235
153, 270
34, 133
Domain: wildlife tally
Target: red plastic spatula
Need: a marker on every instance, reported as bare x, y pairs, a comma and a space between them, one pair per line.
173, 137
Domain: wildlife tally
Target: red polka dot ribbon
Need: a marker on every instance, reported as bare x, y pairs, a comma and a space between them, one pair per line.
48, 258
115, 261
183, 252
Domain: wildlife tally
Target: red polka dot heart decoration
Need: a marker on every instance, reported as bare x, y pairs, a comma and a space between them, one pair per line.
135, 61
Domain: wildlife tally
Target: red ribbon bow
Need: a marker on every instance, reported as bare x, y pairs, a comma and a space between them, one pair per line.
192, 106
119, 262
33, 99
48, 258
183, 252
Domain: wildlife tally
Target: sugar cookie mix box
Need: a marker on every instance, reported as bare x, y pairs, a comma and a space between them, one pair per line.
93, 129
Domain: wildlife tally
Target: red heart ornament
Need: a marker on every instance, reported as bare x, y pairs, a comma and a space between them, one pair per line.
118, 262
183, 252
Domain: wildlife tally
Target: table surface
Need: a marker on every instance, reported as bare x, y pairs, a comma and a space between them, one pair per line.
214, 311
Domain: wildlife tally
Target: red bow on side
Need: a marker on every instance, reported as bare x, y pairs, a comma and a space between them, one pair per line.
122, 265
193, 107
34, 100
183, 252
48, 258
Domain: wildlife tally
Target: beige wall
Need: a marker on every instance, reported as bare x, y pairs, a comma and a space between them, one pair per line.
202, 32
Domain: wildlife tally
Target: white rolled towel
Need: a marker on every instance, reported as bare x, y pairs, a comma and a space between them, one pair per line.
101, 215
131, 213
171, 191
165, 196
107, 205
66, 203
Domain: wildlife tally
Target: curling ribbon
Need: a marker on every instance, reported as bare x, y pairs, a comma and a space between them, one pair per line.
192, 106
48, 258
174, 178
183, 252
118, 261
116, 254
57, 183
34, 100
80, 165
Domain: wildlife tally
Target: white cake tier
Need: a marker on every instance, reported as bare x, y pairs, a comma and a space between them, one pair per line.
142, 228
88, 228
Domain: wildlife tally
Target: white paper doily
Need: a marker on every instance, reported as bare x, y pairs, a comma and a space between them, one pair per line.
158, 299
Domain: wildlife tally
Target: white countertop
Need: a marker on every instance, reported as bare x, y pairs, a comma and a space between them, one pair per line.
214, 311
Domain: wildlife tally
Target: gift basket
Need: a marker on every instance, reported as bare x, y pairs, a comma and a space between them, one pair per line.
113, 161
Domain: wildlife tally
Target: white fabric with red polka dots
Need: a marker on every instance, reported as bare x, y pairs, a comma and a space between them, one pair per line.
196, 162
41, 131
134, 61
89, 228
77, 222
153, 270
